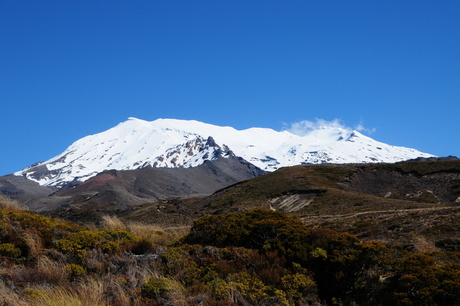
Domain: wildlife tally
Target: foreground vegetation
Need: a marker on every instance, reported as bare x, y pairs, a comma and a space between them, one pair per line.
258, 257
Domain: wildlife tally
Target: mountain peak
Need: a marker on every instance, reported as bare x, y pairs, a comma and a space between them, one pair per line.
136, 143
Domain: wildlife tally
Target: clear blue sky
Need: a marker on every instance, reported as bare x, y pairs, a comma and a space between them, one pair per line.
73, 68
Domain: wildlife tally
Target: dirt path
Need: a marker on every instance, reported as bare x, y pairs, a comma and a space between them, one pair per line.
380, 213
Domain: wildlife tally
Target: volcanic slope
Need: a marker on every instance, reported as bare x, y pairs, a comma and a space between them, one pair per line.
114, 190
402, 201
136, 144
342, 189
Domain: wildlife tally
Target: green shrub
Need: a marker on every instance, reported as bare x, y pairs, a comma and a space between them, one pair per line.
421, 279
297, 286
74, 270
110, 247
78, 243
122, 237
255, 291
9, 250
155, 288
48, 230
219, 288
33, 294
255, 229
339, 261
108, 241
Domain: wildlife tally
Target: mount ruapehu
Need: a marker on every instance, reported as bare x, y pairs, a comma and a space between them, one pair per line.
138, 144
138, 161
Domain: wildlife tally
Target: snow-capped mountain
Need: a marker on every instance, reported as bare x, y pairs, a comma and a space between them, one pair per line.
136, 143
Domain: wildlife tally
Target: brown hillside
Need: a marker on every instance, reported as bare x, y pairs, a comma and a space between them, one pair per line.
399, 202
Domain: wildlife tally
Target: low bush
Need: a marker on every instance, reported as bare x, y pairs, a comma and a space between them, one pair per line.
74, 270
9, 250
109, 242
156, 288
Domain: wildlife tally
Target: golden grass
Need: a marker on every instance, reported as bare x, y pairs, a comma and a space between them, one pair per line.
153, 232
8, 204
158, 234
113, 223
34, 243
88, 292
61, 296
8, 296
177, 293
52, 271
424, 245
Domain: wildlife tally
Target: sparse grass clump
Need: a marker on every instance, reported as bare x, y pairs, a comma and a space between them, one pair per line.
113, 223
158, 234
10, 205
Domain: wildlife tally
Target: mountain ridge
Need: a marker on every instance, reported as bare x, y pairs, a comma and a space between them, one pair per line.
171, 143
115, 190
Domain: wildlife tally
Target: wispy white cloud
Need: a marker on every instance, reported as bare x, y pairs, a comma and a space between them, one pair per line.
304, 127
361, 128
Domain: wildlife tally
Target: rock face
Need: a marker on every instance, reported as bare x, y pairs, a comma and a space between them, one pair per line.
293, 202
168, 143
122, 189
22, 189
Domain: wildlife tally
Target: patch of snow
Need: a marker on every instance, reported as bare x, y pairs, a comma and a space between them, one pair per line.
137, 143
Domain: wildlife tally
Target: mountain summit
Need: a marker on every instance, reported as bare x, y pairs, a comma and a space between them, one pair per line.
170, 143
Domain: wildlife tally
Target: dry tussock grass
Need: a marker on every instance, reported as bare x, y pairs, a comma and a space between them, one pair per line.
108, 290
52, 271
87, 292
58, 297
113, 223
34, 243
424, 245
8, 204
45, 272
156, 233
177, 293
8, 296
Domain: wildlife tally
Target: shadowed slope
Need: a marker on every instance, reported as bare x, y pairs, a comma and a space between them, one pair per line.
122, 189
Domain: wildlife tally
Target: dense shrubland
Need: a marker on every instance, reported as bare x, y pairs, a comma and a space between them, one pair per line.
257, 257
